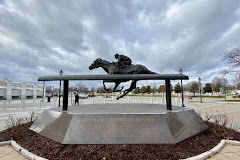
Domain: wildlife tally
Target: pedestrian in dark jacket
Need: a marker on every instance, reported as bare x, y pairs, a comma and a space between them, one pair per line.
77, 99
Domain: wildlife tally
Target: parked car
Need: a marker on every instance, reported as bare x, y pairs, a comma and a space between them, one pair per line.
106, 96
91, 95
83, 95
188, 97
2, 98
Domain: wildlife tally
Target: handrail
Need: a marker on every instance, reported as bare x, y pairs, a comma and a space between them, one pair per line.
115, 77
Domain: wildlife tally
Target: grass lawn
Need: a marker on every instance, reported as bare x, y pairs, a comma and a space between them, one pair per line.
233, 100
209, 96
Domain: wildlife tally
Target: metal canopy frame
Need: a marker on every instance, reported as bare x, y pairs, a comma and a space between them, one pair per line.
123, 77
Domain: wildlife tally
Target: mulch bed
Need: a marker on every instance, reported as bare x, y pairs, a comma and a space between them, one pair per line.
49, 149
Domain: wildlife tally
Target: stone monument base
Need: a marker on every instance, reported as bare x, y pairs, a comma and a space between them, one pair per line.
119, 124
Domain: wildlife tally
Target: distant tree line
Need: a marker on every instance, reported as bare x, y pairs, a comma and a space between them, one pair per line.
79, 88
214, 86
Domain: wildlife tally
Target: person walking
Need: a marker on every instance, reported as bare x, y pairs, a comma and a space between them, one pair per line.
76, 99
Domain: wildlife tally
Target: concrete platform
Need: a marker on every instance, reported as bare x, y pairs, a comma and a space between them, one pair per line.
118, 108
119, 124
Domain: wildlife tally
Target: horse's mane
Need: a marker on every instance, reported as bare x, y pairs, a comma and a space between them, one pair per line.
112, 62
104, 61
107, 61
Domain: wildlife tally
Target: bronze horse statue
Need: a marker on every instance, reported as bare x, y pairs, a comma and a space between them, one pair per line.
114, 68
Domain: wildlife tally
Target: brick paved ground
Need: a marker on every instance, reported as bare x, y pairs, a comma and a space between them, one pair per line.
229, 151
8, 153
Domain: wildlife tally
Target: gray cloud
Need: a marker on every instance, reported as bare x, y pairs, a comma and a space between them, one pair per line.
39, 37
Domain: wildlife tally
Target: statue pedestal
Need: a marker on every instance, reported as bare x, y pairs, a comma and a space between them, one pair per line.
119, 124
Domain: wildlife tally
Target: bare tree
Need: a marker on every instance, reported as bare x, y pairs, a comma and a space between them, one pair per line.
80, 87
185, 88
237, 82
71, 89
232, 58
48, 89
92, 90
86, 90
154, 88
217, 82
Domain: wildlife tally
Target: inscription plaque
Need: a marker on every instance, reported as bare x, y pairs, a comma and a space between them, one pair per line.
119, 128
122, 128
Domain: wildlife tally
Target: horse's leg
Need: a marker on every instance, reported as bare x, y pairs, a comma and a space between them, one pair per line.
116, 85
132, 86
105, 88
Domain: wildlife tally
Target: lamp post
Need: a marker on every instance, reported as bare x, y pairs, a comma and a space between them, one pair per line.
60, 72
181, 72
225, 91
199, 79
43, 99
53, 92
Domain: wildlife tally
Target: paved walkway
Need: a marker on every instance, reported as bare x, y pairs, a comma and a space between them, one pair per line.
229, 151
7, 152
209, 105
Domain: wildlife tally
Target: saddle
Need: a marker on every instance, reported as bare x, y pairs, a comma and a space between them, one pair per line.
121, 66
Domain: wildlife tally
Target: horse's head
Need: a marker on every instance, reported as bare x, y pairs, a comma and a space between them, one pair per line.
97, 63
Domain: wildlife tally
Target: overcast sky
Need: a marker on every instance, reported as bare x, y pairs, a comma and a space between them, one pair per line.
39, 37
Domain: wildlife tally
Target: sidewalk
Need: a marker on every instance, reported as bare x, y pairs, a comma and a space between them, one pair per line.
9, 153
229, 151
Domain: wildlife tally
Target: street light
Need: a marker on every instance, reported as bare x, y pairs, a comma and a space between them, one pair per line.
43, 92
60, 72
199, 79
181, 72
225, 91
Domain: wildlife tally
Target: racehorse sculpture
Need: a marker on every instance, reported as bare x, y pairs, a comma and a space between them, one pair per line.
115, 68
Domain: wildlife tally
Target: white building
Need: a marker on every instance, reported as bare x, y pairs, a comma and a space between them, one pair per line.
12, 90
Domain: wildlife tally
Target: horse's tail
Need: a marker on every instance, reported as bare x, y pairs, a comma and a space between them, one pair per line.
147, 71
144, 70
151, 72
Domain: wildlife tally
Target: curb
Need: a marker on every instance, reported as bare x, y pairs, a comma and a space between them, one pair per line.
214, 151
21, 150
202, 156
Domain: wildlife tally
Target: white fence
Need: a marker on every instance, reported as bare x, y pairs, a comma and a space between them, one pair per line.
5, 104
